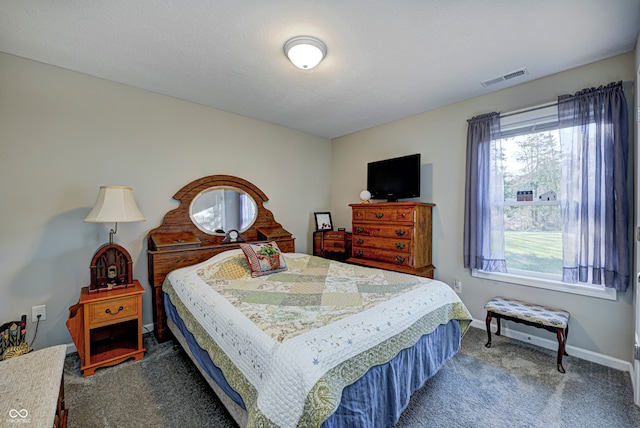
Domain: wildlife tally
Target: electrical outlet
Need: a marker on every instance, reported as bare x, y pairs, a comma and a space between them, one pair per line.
38, 310
457, 286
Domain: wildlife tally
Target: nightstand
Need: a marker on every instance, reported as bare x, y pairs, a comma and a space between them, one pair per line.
106, 327
332, 244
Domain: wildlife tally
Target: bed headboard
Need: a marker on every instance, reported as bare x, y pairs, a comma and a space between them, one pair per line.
196, 230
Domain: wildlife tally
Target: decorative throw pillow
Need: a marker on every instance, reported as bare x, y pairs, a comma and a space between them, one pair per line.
264, 259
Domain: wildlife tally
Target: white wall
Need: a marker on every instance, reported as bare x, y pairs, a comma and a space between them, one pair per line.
63, 134
596, 325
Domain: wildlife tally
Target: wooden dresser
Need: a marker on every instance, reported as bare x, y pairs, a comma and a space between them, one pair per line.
394, 236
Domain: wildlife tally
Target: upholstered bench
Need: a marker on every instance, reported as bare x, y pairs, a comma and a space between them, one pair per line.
551, 319
32, 389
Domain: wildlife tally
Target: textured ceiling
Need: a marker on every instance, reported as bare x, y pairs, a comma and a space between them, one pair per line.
386, 59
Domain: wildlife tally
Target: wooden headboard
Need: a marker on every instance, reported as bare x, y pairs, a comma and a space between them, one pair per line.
178, 242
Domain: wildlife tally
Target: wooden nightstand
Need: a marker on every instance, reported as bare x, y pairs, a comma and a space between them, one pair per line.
332, 244
106, 327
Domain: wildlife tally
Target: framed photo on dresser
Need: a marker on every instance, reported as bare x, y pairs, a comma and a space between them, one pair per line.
323, 221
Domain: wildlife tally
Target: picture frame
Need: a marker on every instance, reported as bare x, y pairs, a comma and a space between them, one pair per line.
323, 221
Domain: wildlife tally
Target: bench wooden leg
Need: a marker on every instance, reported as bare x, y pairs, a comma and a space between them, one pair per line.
561, 350
488, 322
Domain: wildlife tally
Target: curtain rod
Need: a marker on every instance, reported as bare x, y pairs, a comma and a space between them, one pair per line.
555, 103
540, 107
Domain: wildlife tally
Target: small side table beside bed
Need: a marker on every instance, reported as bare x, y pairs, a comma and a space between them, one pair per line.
106, 327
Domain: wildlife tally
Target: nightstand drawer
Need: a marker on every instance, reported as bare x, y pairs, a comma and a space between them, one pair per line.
334, 245
334, 235
113, 310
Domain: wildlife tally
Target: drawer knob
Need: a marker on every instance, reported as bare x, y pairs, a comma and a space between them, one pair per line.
400, 246
108, 311
359, 241
359, 229
400, 259
379, 215
359, 253
400, 232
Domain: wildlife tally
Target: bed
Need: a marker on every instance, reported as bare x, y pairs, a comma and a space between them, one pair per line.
303, 342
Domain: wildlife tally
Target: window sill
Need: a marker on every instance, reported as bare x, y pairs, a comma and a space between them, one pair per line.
548, 284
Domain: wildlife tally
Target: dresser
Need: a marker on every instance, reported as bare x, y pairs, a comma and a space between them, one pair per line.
394, 236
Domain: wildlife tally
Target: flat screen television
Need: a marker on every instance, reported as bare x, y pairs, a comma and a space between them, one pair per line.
394, 179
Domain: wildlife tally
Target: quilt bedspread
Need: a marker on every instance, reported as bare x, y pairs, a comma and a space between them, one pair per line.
289, 342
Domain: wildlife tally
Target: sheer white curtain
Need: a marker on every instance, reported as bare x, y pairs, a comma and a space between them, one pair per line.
484, 196
595, 210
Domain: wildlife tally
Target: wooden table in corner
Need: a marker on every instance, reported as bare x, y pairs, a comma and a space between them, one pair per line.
332, 244
106, 327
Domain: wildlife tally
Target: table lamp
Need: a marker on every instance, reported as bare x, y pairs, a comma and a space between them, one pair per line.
111, 266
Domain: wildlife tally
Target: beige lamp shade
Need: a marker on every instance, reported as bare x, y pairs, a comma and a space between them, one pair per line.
115, 204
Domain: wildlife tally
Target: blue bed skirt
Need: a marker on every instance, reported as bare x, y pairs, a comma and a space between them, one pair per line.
381, 395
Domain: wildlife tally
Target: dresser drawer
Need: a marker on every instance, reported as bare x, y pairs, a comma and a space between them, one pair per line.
376, 214
389, 244
396, 231
106, 312
391, 257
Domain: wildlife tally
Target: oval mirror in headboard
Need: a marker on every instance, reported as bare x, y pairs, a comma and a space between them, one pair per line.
218, 209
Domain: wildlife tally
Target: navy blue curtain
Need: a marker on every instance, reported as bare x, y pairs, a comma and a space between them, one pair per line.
484, 196
595, 209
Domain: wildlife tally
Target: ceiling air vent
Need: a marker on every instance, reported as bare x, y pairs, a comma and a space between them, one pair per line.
507, 76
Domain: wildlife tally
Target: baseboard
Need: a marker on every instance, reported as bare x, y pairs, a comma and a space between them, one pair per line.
634, 380
573, 351
71, 347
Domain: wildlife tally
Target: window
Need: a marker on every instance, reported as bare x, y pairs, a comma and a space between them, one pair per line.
530, 147
546, 200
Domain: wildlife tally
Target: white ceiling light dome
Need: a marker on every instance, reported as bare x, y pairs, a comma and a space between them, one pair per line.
305, 52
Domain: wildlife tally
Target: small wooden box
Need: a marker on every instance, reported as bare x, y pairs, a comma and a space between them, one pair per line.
174, 241
272, 233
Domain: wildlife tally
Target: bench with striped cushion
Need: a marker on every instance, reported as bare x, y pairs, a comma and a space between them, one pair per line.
551, 319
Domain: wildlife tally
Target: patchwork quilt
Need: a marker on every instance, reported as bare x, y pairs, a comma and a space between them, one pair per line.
289, 342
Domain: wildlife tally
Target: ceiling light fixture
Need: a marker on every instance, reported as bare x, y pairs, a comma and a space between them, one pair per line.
305, 52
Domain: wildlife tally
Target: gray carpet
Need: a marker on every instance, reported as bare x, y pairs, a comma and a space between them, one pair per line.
512, 384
